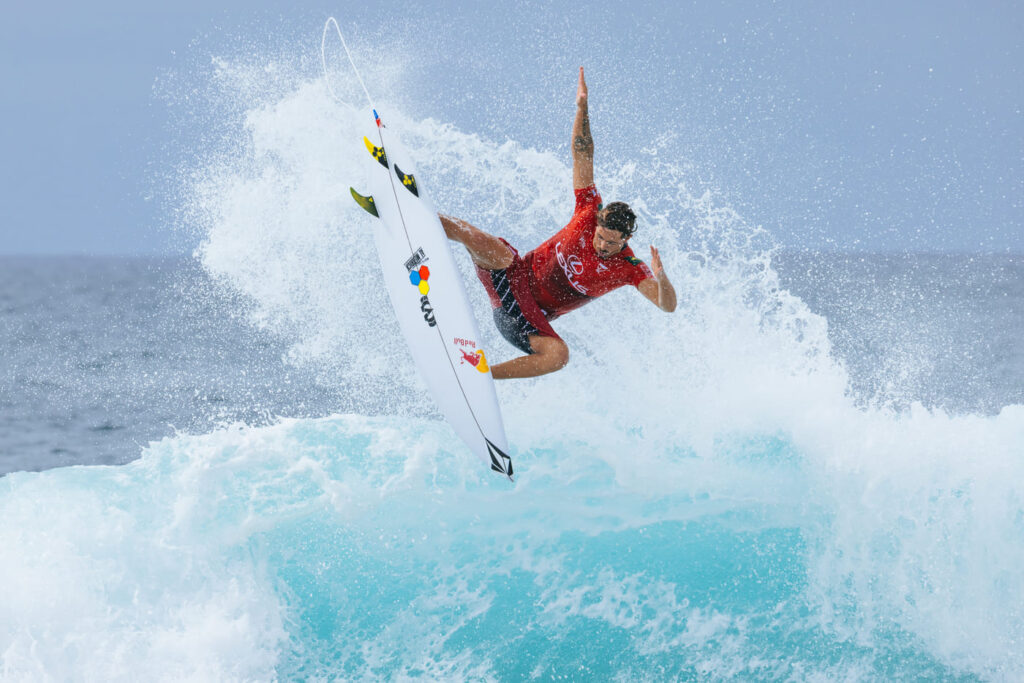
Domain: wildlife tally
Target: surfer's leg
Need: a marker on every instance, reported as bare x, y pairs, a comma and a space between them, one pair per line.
549, 354
487, 251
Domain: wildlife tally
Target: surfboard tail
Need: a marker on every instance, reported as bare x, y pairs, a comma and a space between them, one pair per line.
500, 460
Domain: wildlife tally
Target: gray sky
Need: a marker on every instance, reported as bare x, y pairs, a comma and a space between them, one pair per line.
864, 126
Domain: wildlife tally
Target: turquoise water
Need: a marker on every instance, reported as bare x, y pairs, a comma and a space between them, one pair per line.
356, 548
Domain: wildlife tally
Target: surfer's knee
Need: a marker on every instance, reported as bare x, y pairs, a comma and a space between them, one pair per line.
560, 356
489, 252
554, 351
502, 256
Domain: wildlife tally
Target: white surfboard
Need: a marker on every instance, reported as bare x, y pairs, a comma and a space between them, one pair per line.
430, 300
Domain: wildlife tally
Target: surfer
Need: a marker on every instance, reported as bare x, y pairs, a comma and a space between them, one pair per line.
587, 258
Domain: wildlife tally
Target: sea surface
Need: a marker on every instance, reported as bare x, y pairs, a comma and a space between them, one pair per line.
224, 468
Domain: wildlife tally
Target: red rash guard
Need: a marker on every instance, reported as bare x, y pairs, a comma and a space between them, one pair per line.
568, 272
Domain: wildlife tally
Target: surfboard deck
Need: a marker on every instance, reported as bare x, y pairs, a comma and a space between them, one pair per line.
429, 299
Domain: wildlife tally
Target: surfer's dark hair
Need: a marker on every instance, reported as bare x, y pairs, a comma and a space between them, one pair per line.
618, 216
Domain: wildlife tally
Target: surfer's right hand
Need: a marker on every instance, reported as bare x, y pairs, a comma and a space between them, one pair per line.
581, 91
656, 268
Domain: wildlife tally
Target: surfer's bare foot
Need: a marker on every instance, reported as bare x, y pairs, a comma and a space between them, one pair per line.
487, 251
549, 355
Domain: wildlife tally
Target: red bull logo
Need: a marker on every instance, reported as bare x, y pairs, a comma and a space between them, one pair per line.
476, 359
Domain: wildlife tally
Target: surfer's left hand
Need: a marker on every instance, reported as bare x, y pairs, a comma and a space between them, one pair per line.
656, 268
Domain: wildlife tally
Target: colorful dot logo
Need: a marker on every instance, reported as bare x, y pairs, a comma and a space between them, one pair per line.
419, 279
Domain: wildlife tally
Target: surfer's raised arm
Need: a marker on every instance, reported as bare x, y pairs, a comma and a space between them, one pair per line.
582, 141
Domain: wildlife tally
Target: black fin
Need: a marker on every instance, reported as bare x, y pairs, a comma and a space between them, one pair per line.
365, 202
376, 152
408, 180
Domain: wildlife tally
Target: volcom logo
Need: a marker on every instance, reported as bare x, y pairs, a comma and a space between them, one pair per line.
571, 266
500, 462
601, 267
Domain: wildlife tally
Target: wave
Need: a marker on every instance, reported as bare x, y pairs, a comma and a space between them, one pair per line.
372, 547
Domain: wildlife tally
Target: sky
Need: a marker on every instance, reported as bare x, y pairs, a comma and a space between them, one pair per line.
857, 126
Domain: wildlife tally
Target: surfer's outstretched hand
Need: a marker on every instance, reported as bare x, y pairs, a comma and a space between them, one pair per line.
656, 268
581, 91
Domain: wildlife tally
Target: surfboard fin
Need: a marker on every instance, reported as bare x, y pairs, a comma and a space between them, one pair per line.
365, 202
408, 180
376, 152
500, 462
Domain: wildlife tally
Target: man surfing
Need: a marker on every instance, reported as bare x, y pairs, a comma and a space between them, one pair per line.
587, 258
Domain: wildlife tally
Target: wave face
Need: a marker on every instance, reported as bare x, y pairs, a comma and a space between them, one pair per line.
699, 495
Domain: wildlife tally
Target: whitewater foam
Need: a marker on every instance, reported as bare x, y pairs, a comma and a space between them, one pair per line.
372, 547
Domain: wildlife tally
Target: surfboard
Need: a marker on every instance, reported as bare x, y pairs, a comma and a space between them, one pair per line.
430, 300
425, 288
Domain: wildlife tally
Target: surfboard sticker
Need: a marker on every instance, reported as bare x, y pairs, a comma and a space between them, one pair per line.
408, 180
365, 202
419, 277
477, 359
500, 462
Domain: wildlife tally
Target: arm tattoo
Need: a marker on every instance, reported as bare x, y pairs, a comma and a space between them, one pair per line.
583, 141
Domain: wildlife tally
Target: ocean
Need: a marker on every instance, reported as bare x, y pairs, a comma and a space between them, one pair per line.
107, 354
223, 467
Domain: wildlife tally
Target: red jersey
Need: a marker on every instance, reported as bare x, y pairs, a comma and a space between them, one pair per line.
568, 272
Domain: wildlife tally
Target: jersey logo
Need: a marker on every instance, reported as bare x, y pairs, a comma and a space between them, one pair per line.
571, 266
601, 267
633, 260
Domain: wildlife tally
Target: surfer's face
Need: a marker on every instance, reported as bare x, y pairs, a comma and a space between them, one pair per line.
608, 242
